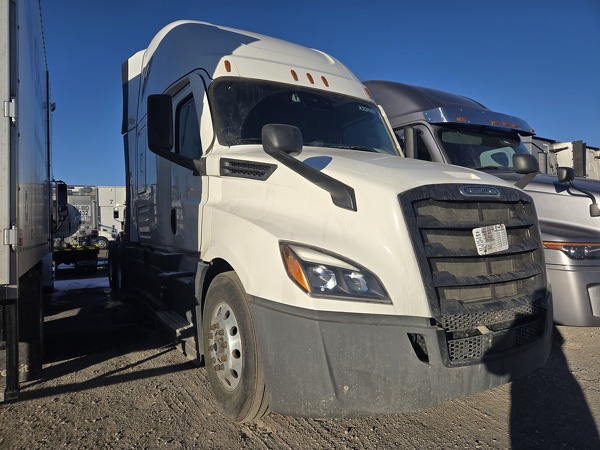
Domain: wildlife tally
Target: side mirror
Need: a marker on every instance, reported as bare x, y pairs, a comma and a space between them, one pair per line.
565, 174
525, 163
283, 142
410, 142
116, 213
160, 131
282, 138
61, 199
160, 123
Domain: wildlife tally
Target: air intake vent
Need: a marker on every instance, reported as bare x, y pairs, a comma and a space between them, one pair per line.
483, 302
246, 169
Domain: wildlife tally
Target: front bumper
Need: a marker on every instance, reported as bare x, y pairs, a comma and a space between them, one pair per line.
576, 292
325, 364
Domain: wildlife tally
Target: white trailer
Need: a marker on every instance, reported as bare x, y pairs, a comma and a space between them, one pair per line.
272, 224
24, 191
111, 213
583, 158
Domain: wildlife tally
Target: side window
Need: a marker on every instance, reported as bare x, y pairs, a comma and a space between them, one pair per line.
188, 130
422, 152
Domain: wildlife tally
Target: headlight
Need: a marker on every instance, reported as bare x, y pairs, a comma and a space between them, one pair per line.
321, 274
576, 250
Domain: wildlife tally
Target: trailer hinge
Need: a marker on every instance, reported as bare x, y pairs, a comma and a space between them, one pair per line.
10, 110
11, 237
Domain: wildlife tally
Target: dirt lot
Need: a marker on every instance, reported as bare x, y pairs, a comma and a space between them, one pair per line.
112, 380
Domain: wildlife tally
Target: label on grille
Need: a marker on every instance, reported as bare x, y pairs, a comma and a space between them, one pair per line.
491, 239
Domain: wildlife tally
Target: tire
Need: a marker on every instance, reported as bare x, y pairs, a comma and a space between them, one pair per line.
102, 243
233, 364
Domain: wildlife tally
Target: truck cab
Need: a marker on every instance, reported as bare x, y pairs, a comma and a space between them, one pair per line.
273, 226
438, 126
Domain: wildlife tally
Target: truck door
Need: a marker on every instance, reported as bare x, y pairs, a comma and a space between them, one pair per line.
185, 187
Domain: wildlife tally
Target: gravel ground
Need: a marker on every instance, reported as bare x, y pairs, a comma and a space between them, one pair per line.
112, 380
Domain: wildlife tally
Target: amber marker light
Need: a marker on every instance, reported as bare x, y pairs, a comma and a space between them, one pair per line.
368, 92
227, 66
494, 122
560, 245
294, 75
293, 267
461, 119
325, 82
310, 78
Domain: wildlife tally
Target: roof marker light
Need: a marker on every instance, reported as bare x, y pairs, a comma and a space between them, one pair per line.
294, 75
494, 122
310, 78
515, 125
461, 119
227, 66
505, 124
325, 82
368, 92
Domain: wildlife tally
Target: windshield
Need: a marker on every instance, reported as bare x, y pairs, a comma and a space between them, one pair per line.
481, 150
242, 106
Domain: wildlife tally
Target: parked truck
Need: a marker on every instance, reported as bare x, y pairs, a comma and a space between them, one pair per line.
111, 213
76, 231
273, 226
25, 250
438, 126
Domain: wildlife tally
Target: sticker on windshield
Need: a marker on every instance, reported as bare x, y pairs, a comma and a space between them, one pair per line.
366, 109
490, 239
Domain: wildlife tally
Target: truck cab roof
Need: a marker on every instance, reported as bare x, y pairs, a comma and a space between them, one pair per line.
406, 103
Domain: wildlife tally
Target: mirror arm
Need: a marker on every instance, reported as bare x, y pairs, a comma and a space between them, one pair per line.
525, 180
594, 208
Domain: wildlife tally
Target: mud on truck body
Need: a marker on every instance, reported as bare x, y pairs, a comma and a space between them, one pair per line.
274, 227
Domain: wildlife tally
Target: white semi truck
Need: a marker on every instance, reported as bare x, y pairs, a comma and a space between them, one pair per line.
111, 213
273, 225
438, 126
25, 204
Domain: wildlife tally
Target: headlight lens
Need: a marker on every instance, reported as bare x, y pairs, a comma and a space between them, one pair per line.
321, 274
576, 250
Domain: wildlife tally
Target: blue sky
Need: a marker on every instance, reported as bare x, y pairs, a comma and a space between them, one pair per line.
535, 59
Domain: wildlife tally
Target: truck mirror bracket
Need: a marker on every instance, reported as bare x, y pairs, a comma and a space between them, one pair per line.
283, 141
567, 175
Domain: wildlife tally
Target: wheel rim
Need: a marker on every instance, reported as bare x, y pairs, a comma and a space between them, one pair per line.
225, 346
103, 244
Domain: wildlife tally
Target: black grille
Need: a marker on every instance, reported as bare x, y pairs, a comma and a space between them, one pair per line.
490, 303
246, 169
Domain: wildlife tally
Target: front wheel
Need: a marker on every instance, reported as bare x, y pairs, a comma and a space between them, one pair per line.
102, 243
233, 364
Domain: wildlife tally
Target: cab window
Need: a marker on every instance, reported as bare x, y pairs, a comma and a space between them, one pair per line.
188, 130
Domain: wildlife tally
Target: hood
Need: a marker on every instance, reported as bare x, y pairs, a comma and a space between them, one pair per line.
564, 212
397, 172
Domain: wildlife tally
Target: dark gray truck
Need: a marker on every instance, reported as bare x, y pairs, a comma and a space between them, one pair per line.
438, 126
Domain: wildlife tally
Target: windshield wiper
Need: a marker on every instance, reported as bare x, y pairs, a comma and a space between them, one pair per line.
353, 147
492, 168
